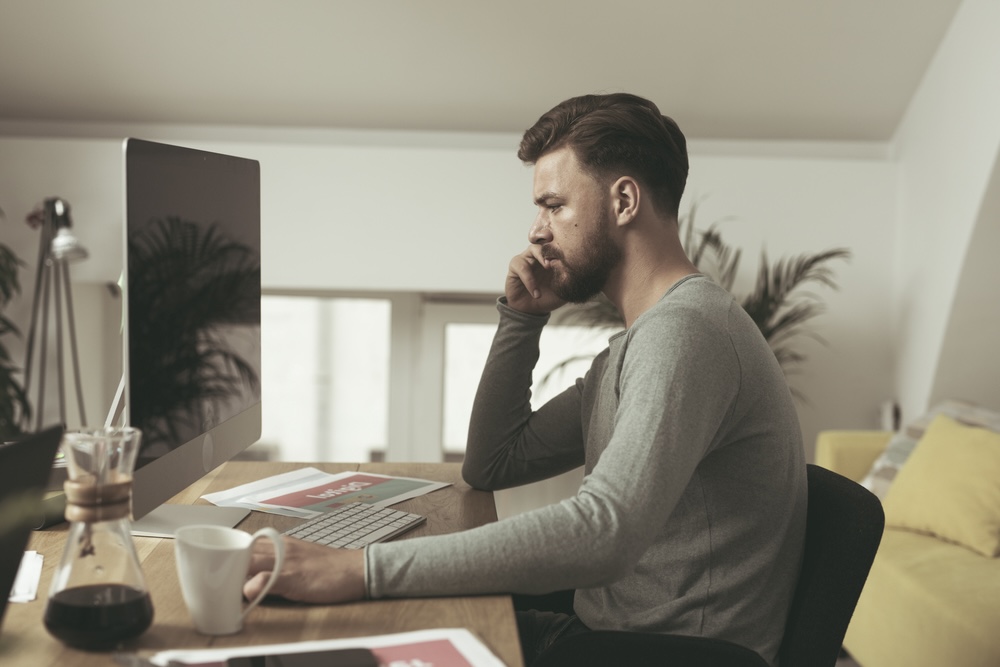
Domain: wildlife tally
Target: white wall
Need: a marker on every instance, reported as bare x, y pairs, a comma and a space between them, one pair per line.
355, 211
445, 213
797, 205
87, 174
968, 367
946, 148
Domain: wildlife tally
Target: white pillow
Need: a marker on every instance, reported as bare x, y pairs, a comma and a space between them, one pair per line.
883, 472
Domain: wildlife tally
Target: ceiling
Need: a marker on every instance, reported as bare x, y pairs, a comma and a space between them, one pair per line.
840, 70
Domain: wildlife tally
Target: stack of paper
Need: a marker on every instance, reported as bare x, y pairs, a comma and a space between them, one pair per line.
308, 492
446, 647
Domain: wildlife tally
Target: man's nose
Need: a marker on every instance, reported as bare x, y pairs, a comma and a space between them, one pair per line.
539, 232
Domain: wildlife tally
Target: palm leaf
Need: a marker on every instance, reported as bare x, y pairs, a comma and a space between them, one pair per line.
709, 252
772, 304
185, 280
10, 286
598, 313
780, 305
15, 408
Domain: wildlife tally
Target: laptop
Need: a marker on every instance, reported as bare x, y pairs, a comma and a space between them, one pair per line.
25, 466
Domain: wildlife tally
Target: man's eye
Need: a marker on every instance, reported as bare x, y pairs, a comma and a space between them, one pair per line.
554, 207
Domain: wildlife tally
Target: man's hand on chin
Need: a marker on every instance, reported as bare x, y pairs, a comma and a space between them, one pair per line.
528, 287
311, 573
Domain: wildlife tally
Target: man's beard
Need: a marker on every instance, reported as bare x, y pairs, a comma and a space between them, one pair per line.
580, 282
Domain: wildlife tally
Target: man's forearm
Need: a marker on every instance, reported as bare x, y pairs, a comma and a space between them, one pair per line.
509, 444
502, 403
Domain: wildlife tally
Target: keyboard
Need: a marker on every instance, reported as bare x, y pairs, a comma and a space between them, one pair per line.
356, 525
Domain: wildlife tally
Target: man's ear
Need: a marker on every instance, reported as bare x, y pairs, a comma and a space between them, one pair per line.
625, 199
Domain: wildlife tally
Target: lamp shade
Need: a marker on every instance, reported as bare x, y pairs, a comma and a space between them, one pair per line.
67, 247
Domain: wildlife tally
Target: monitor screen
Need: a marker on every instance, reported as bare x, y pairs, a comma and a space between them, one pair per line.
192, 313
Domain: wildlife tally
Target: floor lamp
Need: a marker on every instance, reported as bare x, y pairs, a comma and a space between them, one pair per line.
57, 249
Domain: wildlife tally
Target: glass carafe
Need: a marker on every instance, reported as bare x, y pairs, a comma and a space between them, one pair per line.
98, 597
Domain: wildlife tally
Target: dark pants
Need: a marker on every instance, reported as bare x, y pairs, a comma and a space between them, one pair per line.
539, 630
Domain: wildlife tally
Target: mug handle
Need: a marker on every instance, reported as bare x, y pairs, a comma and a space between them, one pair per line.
279, 560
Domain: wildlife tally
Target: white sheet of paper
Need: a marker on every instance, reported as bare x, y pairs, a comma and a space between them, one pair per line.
471, 652
25, 587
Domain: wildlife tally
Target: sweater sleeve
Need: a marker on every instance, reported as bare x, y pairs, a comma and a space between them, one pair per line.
597, 536
508, 443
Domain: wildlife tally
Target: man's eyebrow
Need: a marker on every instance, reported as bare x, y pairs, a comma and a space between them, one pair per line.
544, 197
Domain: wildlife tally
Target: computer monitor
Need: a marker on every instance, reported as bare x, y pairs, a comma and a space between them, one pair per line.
191, 342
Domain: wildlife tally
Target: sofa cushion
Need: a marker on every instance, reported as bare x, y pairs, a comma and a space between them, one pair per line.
883, 472
949, 487
885, 468
966, 413
850, 453
927, 603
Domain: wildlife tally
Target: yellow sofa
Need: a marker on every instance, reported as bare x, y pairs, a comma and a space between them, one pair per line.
927, 602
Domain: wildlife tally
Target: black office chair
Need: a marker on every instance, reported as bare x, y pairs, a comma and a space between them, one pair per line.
843, 530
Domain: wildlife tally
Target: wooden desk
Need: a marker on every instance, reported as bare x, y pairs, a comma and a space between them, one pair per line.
25, 642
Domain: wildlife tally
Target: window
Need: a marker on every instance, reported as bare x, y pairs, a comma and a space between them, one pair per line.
325, 377
466, 348
358, 378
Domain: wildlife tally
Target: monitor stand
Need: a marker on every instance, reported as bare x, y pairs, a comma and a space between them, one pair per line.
165, 519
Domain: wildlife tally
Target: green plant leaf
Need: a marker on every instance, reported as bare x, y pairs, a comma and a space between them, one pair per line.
780, 304
185, 280
15, 408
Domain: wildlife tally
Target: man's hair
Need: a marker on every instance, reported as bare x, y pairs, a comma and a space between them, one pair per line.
616, 135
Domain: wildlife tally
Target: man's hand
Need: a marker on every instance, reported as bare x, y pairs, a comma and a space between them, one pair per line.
529, 283
311, 573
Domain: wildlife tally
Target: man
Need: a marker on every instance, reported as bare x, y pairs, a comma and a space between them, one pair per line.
691, 516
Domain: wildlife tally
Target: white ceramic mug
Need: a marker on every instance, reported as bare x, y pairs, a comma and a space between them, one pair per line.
212, 564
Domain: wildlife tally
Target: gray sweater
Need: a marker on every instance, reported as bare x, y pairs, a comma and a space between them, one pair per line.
691, 515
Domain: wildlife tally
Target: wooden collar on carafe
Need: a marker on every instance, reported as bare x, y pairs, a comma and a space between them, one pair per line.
90, 502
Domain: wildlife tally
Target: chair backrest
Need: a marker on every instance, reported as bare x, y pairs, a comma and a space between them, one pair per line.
843, 531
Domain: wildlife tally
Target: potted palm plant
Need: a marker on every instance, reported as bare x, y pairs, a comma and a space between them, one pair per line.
188, 367
778, 303
14, 404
